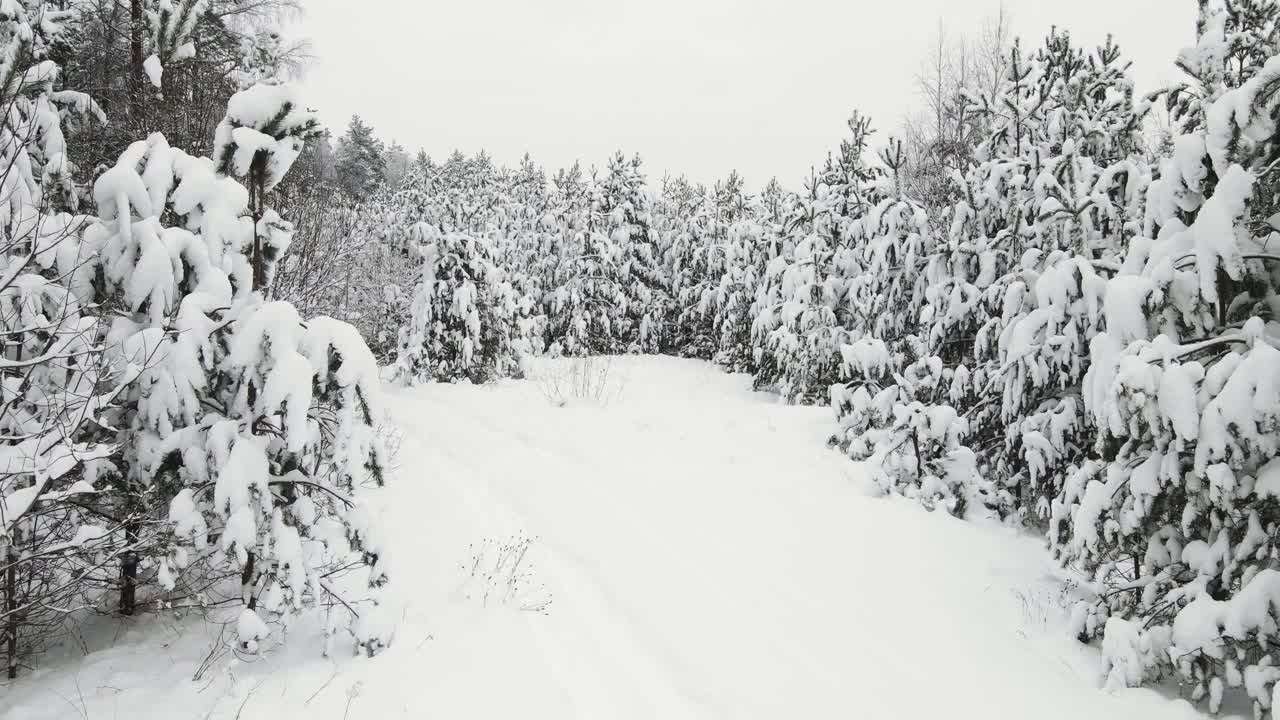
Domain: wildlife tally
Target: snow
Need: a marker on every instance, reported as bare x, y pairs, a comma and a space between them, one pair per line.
1268, 484
1217, 233
250, 629
154, 70
15, 505
265, 106
869, 356
1127, 302
692, 552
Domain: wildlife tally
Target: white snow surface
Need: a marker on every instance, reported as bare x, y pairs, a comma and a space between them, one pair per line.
704, 556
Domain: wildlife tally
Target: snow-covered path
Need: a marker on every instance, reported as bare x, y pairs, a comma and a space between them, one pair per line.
704, 555
707, 558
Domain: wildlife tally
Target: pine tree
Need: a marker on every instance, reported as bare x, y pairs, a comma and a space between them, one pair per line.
624, 216
528, 253
457, 329
683, 220
261, 136
753, 243
360, 161
895, 401
1173, 518
587, 309
58, 544
171, 25
1088, 190
803, 311
247, 425
710, 247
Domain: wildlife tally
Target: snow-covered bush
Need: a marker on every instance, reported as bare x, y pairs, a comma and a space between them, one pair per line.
903, 426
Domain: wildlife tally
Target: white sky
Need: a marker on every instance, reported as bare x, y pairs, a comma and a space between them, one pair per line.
698, 87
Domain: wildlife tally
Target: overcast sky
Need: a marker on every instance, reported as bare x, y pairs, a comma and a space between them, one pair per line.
697, 87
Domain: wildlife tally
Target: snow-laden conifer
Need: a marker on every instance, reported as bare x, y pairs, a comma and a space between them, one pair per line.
250, 433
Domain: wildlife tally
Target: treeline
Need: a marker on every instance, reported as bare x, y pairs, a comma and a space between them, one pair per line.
1052, 302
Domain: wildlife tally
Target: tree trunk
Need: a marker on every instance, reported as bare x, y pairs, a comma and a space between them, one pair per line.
915, 445
257, 199
129, 571
136, 72
11, 606
249, 578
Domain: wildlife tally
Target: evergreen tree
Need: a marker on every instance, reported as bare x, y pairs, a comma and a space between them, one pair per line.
360, 162
458, 327
58, 544
753, 244
622, 206
247, 426
699, 269
587, 310
803, 305
395, 165
1174, 517
683, 221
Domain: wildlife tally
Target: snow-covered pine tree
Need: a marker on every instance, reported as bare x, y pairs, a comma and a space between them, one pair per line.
683, 219
60, 542
1234, 39
1088, 181
800, 327
705, 286
171, 23
984, 226
905, 426
524, 247
587, 310
359, 160
1174, 521
262, 57
1035, 199
463, 194
250, 433
893, 402
1014, 294
753, 243
261, 135
623, 206
457, 329
894, 238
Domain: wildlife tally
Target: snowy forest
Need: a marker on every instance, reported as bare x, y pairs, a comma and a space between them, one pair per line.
1045, 303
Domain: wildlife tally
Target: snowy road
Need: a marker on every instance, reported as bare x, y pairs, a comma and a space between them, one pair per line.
707, 558
704, 556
